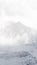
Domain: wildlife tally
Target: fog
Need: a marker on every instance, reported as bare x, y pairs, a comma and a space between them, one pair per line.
25, 11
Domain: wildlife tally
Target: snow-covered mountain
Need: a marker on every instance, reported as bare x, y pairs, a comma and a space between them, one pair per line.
16, 33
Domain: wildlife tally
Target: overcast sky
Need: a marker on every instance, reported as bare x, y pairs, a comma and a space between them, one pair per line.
19, 10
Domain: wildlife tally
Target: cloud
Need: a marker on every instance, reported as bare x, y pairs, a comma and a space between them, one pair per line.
14, 7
